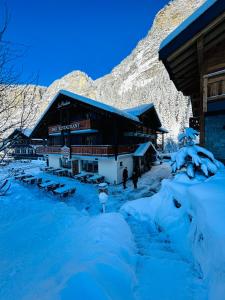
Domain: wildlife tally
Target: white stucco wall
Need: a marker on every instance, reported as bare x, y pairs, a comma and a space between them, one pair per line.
111, 169
54, 161
108, 168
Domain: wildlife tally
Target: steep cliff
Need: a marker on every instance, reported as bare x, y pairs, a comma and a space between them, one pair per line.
139, 78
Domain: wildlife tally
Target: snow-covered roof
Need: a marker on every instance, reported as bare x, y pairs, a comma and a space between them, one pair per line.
139, 110
164, 130
90, 102
26, 131
203, 16
141, 150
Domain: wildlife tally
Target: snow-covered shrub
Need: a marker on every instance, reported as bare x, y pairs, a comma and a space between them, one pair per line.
193, 157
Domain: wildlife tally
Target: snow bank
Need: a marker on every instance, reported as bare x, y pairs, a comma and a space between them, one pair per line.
160, 210
196, 229
50, 251
207, 230
108, 263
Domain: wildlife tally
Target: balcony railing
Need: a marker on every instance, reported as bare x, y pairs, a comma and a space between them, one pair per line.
102, 150
213, 88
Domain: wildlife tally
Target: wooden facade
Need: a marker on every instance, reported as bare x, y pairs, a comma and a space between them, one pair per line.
22, 146
78, 129
194, 56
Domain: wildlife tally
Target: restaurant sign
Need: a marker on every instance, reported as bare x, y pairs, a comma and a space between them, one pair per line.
59, 128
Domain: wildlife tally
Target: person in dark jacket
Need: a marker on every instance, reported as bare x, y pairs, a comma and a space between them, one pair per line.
135, 176
125, 177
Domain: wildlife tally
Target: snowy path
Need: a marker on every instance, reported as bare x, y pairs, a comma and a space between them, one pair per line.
161, 272
148, 184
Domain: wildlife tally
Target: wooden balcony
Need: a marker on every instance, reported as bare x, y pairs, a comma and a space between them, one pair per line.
214, 88
101, 150
49, 150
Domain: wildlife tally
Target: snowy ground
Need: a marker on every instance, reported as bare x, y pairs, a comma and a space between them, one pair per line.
51, 249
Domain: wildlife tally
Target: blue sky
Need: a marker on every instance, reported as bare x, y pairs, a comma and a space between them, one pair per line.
65, 35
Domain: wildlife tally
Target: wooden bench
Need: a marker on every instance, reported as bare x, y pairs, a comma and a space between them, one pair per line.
51, 185
42, 182
60, 172
22, 176
33, 179
64, 191
50, 170
46, 184
96, 179
83, 177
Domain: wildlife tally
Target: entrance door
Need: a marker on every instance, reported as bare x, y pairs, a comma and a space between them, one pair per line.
75, 167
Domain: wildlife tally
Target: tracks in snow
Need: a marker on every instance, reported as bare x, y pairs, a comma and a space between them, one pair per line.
161, 272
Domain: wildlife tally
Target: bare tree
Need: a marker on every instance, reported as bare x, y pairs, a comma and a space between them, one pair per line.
17, 107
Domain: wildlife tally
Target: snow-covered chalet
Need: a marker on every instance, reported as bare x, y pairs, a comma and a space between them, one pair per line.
194, 56
82, 134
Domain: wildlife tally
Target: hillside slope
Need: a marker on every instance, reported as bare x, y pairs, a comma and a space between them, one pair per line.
139, 78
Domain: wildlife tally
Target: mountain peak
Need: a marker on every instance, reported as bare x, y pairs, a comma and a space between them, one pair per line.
140, 78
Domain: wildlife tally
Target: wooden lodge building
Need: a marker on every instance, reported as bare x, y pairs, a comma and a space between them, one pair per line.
82, 134
194, 56
21, 146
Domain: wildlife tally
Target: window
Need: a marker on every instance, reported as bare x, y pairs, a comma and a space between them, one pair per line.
90, 166
30, 151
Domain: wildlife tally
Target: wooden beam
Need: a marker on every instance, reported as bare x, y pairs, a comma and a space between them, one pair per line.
183, 57
205, 92
185, 81
185, 85
186, 75
214, 33
186, 71
200, 51
200, 46
186, 63
217, 40
191, 88
215, 79
196, 37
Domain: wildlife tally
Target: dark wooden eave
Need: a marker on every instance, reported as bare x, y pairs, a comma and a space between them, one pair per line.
184, 64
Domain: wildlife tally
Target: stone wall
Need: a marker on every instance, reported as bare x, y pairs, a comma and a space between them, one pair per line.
215, 135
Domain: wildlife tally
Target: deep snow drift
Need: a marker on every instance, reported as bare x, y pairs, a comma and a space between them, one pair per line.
190, 213
166, 245
50, 250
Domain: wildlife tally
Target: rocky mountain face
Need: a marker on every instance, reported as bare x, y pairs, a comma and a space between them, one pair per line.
141, 77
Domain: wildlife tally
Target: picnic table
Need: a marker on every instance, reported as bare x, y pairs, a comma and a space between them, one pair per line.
44, 168
46, 184
50, 185
96, 179
60, 172
77, 176
50, 169
33, 179
64, 191
22, 176
56, 170
83, 176
43, 181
